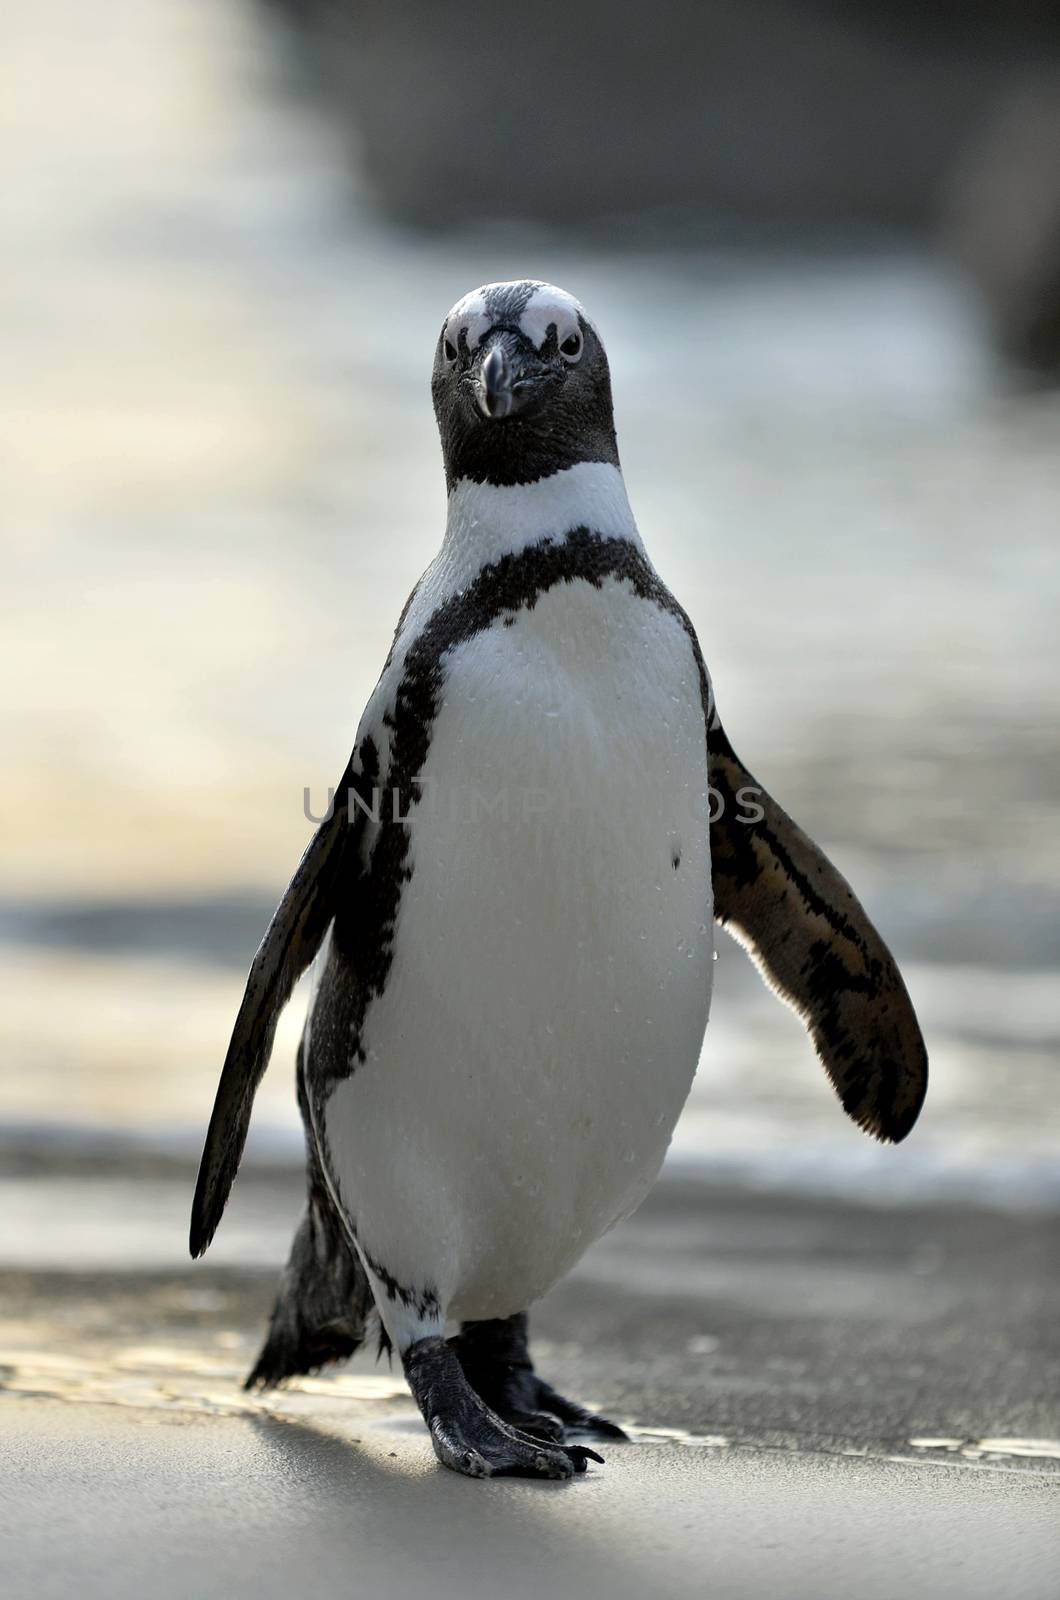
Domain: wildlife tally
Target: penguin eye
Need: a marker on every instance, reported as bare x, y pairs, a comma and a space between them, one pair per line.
571, 348
450, 349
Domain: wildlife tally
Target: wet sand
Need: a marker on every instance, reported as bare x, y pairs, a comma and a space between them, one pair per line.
823, 1401
118, 1503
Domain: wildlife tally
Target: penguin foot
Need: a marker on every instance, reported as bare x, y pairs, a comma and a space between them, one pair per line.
470, 1438
575, 1418
538, 1424
495, 1357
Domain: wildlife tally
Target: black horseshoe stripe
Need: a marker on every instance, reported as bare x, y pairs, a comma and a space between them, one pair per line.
362, 948
367, 917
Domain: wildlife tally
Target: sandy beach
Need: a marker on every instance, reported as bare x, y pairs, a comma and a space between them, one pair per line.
822, 1401
121, 1504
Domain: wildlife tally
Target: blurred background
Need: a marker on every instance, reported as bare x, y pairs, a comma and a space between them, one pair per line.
822, 242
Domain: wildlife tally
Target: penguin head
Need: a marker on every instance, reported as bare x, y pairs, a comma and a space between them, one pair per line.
521, 385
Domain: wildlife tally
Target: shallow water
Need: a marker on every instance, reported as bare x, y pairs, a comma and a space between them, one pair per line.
221, 479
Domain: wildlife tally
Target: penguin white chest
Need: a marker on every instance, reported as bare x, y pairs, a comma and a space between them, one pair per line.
552, 958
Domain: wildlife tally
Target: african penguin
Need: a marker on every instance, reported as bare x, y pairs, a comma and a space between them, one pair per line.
511, 905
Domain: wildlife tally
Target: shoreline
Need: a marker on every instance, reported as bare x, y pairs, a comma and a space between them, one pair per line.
773, 1320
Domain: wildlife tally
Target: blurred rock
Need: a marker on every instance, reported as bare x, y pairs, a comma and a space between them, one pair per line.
767, 111
1002, 221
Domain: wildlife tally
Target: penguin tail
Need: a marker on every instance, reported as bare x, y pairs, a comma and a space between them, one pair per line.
322, 1308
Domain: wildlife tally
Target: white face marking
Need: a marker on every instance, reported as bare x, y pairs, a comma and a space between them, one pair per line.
468, 315
547, 305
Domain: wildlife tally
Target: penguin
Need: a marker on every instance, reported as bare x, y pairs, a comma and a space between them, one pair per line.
509, 911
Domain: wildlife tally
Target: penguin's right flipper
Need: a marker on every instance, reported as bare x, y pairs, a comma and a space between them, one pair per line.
291, 941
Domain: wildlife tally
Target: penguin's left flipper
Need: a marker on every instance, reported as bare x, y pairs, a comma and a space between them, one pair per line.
781, 897
291, 941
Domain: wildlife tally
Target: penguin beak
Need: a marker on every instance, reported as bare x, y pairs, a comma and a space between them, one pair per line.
508, 375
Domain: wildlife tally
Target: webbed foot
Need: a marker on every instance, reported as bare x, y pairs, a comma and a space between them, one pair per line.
469, 1437
495, 1358
575, 1418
